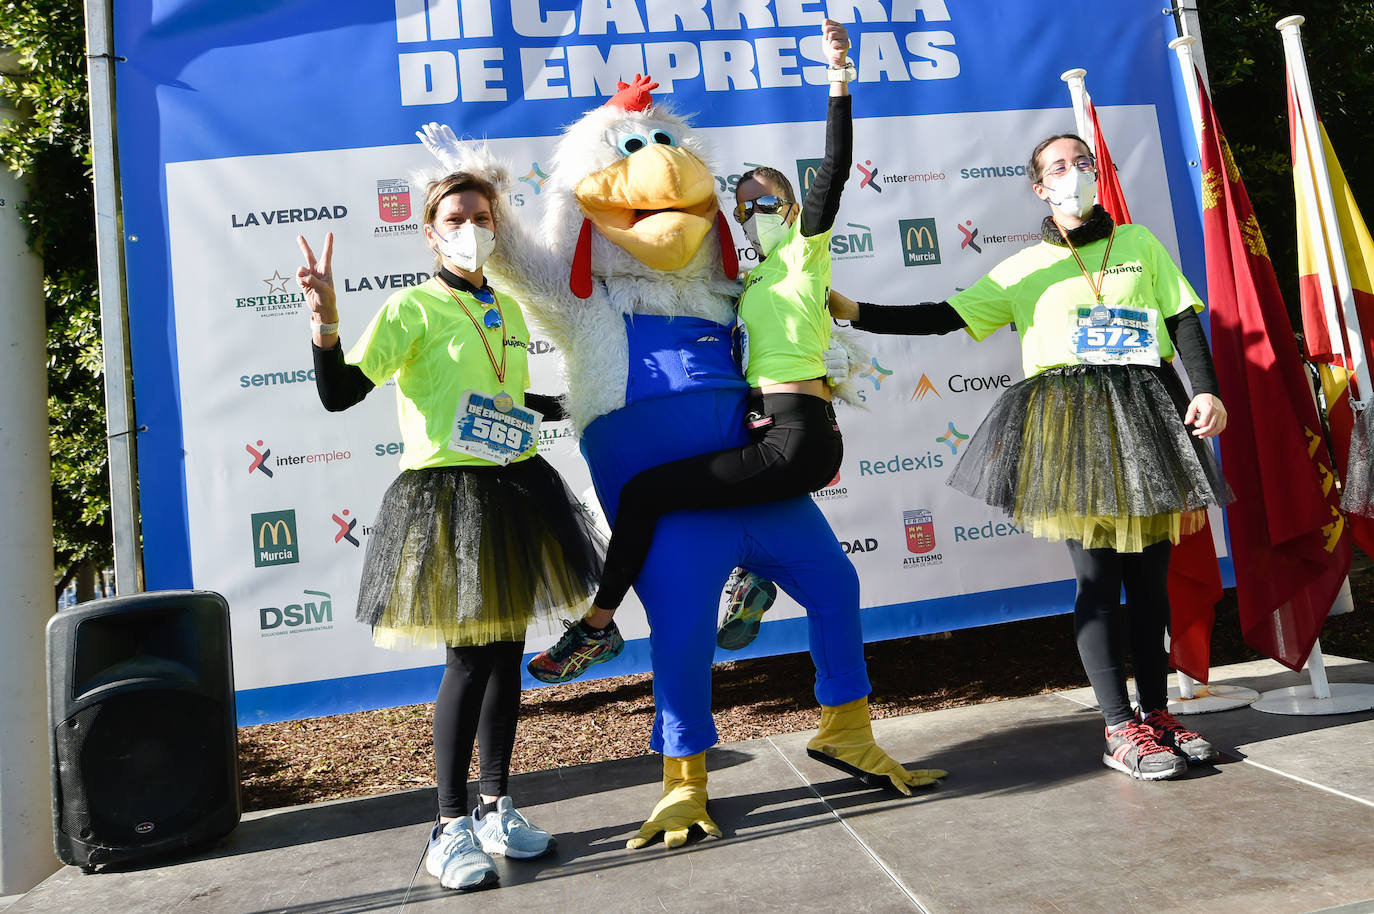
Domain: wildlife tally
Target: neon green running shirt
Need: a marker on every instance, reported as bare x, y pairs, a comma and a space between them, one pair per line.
1041, 288
422, 337
785, 311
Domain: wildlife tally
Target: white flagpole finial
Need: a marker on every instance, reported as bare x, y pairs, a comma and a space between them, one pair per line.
1289, 22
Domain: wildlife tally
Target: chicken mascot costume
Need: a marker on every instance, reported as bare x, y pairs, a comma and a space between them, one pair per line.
632, 273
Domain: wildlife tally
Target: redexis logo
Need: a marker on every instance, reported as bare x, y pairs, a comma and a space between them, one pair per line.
535, 178
312, 614
854, 245
920, 242
274, 539
278, 299
952, 439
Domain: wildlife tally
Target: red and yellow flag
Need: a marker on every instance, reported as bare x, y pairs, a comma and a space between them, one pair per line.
1323, 325
1109, 192
1288, 536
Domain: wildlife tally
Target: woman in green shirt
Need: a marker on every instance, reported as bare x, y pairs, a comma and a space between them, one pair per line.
1093, 447
478, 537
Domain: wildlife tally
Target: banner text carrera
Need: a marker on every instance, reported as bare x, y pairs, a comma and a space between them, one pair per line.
475, 73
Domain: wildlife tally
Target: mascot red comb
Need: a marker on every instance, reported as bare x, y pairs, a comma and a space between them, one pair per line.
631, 272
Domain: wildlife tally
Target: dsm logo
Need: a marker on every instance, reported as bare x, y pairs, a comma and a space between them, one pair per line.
920, 242
281, 620
274, 539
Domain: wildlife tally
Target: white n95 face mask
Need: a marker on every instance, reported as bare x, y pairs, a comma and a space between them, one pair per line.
1074, 193
765, 232
468, 246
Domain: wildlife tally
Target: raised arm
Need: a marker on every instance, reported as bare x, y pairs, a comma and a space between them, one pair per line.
822, 201
924, 319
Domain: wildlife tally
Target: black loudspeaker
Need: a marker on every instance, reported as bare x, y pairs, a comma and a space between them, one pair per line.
144, 737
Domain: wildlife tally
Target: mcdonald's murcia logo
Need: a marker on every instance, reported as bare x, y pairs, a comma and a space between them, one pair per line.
806, 173
274, 539
920, 242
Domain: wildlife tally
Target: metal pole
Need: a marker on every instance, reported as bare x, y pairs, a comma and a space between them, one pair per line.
1291, 28
114, 329
1077, 91
26, 558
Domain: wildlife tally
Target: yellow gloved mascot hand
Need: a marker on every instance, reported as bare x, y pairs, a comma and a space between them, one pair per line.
845, 741
683, 804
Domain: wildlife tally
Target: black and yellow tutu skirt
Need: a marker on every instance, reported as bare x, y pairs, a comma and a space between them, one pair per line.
1097, 454
471, 555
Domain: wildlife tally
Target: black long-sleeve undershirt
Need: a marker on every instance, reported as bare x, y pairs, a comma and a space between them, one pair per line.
927, 318
341, 385
822, 202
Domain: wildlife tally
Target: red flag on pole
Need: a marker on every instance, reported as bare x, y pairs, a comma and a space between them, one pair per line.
1108, 186
1194, 578
1324, 343
1288, 537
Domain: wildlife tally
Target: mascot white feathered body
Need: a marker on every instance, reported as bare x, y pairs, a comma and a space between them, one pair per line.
631, 273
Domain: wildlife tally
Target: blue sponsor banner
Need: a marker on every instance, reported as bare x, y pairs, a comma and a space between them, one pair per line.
200, 80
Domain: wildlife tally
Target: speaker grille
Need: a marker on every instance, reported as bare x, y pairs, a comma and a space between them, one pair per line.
141, 767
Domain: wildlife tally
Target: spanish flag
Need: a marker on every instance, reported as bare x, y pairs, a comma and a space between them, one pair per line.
1323, 316
1288, 536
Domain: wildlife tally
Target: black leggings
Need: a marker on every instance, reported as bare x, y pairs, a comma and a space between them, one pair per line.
479, 698
1098, 622
794, 448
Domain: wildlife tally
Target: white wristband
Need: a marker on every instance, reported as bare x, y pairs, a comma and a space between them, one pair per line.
325, 329
844, 74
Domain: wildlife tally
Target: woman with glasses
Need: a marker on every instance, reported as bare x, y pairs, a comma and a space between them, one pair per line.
1093, 447
784, 329
478, 536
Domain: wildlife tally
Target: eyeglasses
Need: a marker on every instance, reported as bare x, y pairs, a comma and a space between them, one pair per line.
768, 203
1057, 170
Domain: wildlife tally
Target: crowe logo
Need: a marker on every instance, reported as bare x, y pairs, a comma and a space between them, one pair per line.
920, 242
924, 388
274, 539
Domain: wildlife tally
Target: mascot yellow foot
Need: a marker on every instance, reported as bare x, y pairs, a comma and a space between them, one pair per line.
682, 806
845, 741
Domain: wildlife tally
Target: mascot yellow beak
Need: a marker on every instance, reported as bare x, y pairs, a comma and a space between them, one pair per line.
657, 203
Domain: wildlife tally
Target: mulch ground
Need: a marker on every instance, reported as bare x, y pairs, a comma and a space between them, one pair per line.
370, 752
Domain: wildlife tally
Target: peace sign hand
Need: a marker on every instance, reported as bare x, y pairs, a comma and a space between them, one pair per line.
316, 280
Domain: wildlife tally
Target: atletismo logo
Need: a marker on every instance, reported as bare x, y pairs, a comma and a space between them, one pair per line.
832, 491
920, 539
393, 200
274, 539
920, 242
296, 618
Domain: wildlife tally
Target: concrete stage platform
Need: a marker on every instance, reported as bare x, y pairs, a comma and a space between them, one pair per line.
1028, 820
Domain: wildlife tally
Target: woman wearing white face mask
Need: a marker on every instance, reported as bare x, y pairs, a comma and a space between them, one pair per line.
478, 537
1093, 447
795, 447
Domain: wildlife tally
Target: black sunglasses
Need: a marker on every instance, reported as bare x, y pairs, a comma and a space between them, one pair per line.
769, 203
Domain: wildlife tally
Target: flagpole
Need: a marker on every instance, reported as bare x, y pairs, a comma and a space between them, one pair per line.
1290, 28
1077, 90
1194, 698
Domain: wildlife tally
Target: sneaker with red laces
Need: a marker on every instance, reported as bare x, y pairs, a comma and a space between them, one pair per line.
1176, 736
1136, 750
579, 648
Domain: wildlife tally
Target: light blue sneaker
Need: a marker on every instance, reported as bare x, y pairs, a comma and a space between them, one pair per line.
455, 859
506, 832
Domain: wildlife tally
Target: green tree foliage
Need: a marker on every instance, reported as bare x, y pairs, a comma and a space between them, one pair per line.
1246, 68
50, 149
